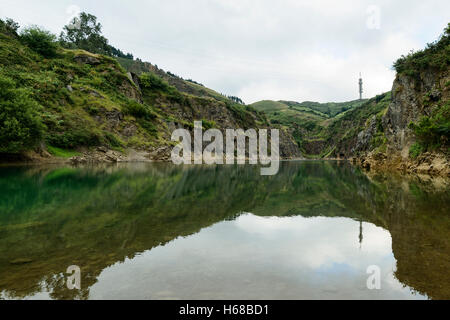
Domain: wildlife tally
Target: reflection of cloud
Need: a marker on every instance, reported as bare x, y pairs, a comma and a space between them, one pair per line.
260, 258
319, 241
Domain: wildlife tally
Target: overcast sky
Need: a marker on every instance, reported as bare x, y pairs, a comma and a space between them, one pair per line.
260, 49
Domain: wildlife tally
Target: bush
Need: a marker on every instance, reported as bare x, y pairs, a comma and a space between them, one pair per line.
20, 125
208, 124
113, 141
39, 40
138, 110
434, 130
72, 138
415, 150
434, 56
152, 81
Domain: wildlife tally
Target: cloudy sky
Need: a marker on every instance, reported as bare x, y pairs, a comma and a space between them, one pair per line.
260, 49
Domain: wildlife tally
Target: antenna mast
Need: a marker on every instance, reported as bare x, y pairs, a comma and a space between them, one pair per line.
360, 86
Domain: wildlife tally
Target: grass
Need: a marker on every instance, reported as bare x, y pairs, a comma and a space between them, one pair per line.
62, 153
415, 150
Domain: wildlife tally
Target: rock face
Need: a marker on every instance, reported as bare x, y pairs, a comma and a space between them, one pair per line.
288, 147
412, 98
314, 147
87, 59
408, 106
131, 88
365, 137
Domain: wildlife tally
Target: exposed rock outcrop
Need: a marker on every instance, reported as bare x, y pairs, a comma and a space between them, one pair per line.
412, 98
87, 58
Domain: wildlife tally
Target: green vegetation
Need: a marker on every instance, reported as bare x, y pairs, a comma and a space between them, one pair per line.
208, 124
342, 133
9, 27
433, 131
139, 110
39, 40
309, 121
187, 86
152, 81
330, 109
20, 125
415, 150
67, 98
62, 153
269, 105
76, 93
436, 56
71, 100
84, 32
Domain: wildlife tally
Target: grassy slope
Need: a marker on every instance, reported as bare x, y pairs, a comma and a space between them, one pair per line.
309, 120
84, 106
331, 109
138, 67
281, 113
342, 132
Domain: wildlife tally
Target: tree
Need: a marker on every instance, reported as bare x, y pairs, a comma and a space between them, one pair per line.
9, 26
85, 33
20, 125
39, 40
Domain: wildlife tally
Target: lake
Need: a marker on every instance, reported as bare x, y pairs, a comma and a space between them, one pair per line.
316, 230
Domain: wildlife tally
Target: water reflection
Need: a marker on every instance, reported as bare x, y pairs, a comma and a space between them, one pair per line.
163, 232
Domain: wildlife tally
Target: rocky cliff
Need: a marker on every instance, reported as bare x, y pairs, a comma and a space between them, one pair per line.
409, 128
416, 102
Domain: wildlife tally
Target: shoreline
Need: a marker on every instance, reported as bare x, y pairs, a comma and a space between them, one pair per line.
367, 164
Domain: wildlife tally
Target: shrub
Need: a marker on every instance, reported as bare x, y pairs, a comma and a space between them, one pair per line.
415, 150
39, 40
435, 129
152, 81
434, 56
138, 110
113, 141
208, 124
72, 138
20, 125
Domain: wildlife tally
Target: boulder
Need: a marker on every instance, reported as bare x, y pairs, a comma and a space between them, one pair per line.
87, 59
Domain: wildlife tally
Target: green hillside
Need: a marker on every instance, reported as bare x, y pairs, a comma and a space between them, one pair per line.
307, 120
330, 108
187, 86
59, 101
269, 106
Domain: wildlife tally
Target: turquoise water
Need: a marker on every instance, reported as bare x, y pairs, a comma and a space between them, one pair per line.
159, 231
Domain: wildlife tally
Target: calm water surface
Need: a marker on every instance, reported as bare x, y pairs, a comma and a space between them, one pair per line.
158, 231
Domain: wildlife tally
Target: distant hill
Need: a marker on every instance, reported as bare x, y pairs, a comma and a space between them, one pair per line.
330, 108
325, 110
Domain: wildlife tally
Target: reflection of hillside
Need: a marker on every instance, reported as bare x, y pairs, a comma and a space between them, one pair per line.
53, 218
